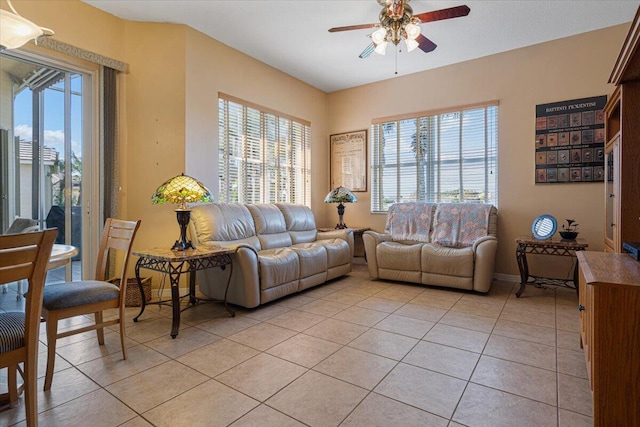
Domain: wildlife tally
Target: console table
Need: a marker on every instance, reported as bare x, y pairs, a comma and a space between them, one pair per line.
529, 245
174, 263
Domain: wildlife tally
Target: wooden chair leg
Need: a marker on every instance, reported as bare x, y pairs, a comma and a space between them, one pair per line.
12, 384
121, 324
30, 386
99, 331
52, 336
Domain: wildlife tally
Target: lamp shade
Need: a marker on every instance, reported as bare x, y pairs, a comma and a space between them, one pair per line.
412, 30
379, 35
381, 48
340, 195
411, 44
180, 190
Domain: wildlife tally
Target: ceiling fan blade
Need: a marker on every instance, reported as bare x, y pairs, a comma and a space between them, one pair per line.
352, 27
439, 15
425, 44
367, 51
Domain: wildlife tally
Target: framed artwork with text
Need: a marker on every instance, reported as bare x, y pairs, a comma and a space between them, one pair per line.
348, 165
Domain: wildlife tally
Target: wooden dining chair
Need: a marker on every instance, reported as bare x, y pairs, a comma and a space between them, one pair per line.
24, 257
64, 300
20, 225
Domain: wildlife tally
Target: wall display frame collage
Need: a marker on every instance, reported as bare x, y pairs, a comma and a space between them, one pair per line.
570, 141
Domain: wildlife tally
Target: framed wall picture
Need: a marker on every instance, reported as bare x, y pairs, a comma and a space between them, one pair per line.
348, 165
570, 141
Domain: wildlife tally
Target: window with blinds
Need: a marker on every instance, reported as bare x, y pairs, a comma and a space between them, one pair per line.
264, 156
444, 157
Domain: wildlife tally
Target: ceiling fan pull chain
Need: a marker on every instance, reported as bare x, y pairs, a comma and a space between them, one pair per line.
396, 59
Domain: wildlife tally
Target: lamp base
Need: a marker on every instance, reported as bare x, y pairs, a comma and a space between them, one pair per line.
182, 244
341, 223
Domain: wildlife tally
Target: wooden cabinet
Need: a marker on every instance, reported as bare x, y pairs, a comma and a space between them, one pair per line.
622, 150
609, 307
612, 194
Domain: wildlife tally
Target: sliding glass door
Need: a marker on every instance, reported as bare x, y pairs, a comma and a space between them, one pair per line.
45, 117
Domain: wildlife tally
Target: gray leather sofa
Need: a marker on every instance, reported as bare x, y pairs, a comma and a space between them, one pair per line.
446, 244
279, 250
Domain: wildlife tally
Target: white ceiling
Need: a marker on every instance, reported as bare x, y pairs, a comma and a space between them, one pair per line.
292, 36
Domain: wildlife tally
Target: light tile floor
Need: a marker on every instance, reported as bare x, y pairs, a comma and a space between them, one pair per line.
353, 352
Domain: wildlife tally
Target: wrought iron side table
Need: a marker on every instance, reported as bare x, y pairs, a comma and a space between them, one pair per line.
529, 245
174, 263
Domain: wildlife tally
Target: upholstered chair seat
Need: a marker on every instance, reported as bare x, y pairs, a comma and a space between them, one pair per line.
73, 294
11, 331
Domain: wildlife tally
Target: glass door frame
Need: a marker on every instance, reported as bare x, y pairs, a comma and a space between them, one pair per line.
91, 153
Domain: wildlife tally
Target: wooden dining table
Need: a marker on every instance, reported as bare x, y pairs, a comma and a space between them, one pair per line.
60, 256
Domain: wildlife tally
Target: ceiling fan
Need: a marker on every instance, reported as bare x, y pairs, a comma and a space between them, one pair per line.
397, 22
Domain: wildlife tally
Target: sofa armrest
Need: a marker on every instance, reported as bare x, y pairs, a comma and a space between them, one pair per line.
244, 287
344, 234
484, 250
235, 246
378, 237
481, 240
371, 240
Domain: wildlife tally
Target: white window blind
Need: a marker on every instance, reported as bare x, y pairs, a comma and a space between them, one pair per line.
443, 157
265, 157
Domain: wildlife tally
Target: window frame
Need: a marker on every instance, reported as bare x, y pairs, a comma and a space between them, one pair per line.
276, 144
428, 122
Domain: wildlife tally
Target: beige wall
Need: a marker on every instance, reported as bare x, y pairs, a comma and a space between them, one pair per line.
155, 125
570, 68
169, 110
168, 102
213, 67
78, 24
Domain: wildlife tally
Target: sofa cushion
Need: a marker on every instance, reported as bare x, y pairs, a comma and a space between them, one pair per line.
312, 258
297, 217
460, 224
277, 266
338, 252
270, 226
410, 221
446, 261
222, 222
268, 219
399, 256
300, 222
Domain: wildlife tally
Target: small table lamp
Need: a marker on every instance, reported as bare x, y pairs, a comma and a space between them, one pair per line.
180, 190
340, 195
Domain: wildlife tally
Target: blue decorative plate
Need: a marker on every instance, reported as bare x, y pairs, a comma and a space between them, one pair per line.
544, 227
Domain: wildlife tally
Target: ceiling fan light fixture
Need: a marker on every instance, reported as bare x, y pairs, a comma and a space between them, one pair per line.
411, 44
412, 30
379, 36
381, 48
15, 30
